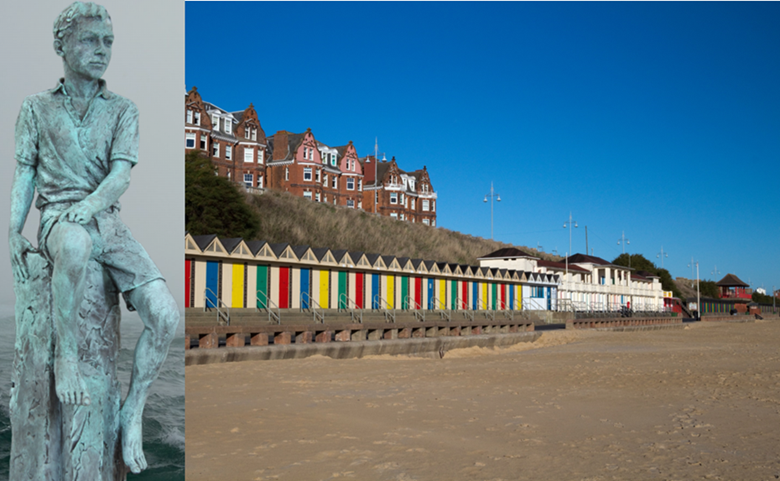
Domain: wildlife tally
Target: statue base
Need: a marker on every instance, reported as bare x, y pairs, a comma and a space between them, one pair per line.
51, 440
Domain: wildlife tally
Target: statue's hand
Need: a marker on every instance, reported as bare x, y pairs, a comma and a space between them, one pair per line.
19, 246
80, 213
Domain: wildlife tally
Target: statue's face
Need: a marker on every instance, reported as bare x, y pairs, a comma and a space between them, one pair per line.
87, 49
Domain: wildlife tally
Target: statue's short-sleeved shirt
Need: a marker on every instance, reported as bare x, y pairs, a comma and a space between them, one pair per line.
73, 155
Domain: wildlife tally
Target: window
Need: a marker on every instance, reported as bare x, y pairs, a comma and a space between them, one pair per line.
433, 205
215, 149
317, 196
249, 155
197, 118
402, 199
254, 134
402, 217
393, 197
426, 205
376, 197
203, 142
350, 203
360, 204
189, 116
333, 160
249, 180
325, 180
307, 175
228, 126
228, 152
426, 222
215, 121
318, 175
190, 141
413, 204
394, 216
335, 182
324, 197
307, 194
360, 185
433, 222
350, 183
537, 292
286, 173
334, 200
260, 156
260, 181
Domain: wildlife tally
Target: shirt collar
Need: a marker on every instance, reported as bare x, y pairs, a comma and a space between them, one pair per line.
102, 92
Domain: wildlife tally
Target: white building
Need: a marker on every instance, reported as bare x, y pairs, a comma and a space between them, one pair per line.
587, 283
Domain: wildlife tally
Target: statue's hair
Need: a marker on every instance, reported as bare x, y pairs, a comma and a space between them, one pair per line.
75, 11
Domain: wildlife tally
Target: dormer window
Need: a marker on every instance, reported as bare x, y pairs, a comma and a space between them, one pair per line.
228, 126
197, 118
254, 134
215, 121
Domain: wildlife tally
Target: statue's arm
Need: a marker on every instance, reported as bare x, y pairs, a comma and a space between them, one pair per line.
22, 193
108, 192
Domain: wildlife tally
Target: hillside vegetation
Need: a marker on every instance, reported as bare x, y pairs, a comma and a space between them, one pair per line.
286, 218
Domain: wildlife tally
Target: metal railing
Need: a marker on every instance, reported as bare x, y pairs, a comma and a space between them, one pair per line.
443, 312
221, 316
273, 312
489, 313
309, 304
416, 308
355, 312
506, 310
467, 313
386, 310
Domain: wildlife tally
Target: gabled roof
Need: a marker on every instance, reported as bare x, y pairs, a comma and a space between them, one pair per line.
373, 259
278, 248
255, 246
508, 252
230, 243
560, 266
203, 241
730, 280
586, 259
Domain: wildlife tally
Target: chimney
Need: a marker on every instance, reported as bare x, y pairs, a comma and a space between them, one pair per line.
280, 145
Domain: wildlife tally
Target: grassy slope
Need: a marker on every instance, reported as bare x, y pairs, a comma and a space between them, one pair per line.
285, 218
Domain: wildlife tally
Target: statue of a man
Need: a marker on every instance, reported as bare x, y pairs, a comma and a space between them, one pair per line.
76, 144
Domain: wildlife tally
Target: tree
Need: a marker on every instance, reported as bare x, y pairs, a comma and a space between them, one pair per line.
639, 263
213, 204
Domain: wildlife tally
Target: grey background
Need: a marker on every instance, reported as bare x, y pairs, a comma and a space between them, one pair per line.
147, 66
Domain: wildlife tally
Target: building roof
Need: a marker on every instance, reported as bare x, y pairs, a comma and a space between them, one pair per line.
560, 266
730, 280
586, 259
508, 252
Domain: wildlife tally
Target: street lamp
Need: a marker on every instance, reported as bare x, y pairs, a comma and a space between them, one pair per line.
623, 241
568, 224
662, 255
498, 199
715, 271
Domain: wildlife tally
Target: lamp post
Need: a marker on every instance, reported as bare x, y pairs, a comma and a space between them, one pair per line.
568, 224
662, 255
623, 241
498, 199
698, 294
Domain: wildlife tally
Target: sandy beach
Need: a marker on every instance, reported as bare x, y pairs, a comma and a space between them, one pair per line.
693, 403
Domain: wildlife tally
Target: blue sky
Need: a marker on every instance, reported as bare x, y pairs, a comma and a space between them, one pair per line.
658, 119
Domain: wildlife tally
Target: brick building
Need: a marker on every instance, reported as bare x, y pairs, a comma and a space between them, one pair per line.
235, 140
304, 166
390, 191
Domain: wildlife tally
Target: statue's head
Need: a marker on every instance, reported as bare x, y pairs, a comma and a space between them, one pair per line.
83, 36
